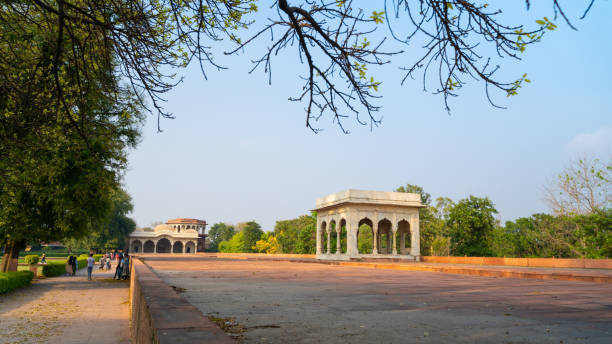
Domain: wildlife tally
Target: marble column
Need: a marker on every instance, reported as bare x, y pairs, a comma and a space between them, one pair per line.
375, 235
394, 232
318, 236
339, 237
415, 241
329, 238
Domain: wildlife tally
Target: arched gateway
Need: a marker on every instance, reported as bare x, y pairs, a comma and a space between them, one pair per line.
389, 220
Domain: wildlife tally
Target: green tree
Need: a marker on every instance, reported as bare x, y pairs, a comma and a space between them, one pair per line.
64, 135
365, 239
306, 240
251, 234
112, 232
219, 232
235, 245
409, 188
287, 232
471, 223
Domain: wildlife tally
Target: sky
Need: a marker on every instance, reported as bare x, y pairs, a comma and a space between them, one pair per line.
238, 150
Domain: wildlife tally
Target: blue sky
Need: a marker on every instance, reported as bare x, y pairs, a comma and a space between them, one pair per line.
239, 151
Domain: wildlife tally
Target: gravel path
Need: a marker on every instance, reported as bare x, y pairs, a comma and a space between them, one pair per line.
67, 310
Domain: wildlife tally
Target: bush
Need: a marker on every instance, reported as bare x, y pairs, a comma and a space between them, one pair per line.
97, 257
234, 245
56, 253
14, 280
58, 268
31, 259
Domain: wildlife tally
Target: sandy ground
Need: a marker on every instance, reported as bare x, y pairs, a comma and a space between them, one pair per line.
67, 310
284, 302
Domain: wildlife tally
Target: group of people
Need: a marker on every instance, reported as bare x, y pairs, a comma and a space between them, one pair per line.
71, 266
122, 270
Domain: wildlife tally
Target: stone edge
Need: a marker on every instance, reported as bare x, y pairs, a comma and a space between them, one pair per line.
473, 271
159, 315
501, 261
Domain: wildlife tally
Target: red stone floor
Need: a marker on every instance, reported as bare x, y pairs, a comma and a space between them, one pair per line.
342, 304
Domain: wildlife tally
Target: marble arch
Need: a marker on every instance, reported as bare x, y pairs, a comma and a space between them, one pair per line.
394, 215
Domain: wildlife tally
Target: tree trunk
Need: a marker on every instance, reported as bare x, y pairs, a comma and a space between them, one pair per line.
11, 256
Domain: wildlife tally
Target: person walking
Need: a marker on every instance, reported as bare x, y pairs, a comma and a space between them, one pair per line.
75, 265
118, 270
90, 266
108, 265
125, 263
68, 266
43, 259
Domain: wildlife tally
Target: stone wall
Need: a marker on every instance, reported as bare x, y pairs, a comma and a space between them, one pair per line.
501, 261
160, 315
530, 262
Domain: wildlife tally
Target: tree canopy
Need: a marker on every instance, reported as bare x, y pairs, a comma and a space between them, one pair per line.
338, 43
65, 128
219, 232
584, 186
111, 232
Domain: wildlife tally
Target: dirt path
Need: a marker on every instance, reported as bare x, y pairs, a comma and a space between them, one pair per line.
67, 310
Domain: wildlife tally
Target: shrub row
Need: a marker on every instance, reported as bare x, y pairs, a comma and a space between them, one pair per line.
58, 268
95, 256
14, 280
31, 259
52, 253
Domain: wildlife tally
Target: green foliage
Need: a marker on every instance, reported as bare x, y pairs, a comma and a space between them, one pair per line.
219, 232
471, 222
289, 233
251, 234
58, 268
440, 246
409, 188
52, 253
63, 152
432, 219
234, 245
306, 241
15, 279
31, 259
365, 241
564, 236
112, 230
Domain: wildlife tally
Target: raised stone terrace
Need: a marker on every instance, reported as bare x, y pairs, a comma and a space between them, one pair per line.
302, 301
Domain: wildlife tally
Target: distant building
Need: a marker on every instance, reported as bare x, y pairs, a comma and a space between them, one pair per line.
52, 245
181, 235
